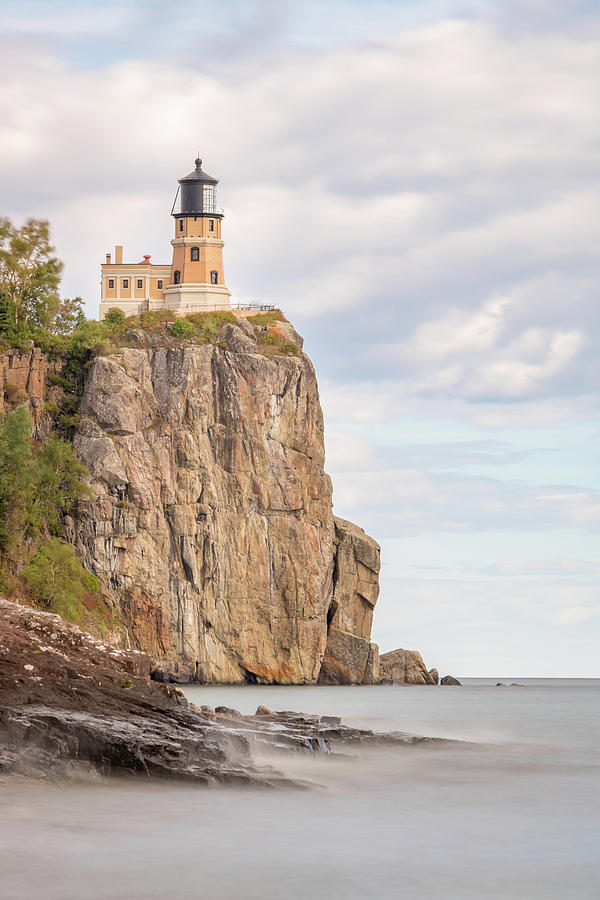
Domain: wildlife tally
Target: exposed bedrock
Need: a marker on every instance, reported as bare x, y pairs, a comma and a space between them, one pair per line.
406, 666
350, 657
211, 525
73, 705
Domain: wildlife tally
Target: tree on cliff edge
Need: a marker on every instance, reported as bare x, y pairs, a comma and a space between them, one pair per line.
29, 273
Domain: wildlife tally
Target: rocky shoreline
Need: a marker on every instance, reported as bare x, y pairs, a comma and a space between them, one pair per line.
74, 706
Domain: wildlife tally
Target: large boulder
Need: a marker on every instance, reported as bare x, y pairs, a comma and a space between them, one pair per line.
405, 666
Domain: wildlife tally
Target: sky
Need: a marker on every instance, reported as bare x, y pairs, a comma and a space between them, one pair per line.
416, 185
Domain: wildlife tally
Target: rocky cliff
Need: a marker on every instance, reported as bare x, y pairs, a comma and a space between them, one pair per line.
211, 525
24, 379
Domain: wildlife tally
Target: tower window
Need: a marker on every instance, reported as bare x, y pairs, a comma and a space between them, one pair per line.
181, 224
195, 254
211, 224
159, 284
214, 277
111, 282
177, 277
126, 282
140, 283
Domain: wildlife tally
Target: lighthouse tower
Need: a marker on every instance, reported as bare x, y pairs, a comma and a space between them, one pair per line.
196, 279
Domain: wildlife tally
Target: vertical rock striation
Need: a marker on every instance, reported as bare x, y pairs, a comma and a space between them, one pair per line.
211, 524
350, 657
24, 379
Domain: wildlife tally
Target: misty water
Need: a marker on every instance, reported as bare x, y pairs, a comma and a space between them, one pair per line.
510, 811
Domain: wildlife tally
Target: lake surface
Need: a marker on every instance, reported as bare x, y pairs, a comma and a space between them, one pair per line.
511, 812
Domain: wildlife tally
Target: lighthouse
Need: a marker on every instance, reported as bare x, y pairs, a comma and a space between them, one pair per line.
196, 280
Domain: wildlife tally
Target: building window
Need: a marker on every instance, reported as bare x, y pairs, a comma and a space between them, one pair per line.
140, 283
126, 282
181, 224
195, 254
159, 284
111, 283
177, 277
214, 277
211, 224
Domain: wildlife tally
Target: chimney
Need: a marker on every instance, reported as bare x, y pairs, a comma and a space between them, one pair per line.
108, 259
119, 254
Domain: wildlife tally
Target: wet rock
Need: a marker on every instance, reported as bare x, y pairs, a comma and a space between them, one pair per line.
227, 711
450, 680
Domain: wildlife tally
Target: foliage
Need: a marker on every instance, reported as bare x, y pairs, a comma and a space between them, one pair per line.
6, 314
69, 316
114, 316
58, 581
15, 460
37, 485
29, 272
267, 318
30, 304
183, 328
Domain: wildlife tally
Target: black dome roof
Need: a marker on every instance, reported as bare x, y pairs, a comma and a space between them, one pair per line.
199, 175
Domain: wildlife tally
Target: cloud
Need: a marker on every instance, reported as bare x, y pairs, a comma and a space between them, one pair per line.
575, 615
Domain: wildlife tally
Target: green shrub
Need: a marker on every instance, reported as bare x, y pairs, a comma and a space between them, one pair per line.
183, 328
114, 316
58, 582
288, 349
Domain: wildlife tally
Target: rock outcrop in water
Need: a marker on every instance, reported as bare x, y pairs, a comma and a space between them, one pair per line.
211, 526
406, 667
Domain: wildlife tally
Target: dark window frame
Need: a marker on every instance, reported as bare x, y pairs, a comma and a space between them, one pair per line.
159, 284
195, 254
140, 283
126, 282
181, 224
211, 224
214, 277
177, 277
111, 284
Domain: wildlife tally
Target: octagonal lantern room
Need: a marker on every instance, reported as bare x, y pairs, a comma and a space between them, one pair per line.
197, 194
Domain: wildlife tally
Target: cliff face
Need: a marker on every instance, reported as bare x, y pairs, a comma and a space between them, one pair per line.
24, 378
211, 524
350, 658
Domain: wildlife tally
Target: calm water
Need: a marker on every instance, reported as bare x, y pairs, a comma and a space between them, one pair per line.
513, 813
